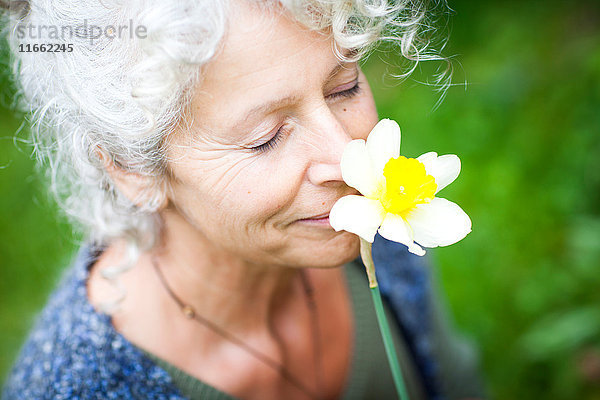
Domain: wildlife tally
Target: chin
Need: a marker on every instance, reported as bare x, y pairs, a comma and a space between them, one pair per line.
343, 248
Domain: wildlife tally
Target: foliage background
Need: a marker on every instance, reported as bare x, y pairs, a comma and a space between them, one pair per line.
524, 284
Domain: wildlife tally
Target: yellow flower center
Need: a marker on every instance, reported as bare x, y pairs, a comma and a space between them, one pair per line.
406, 185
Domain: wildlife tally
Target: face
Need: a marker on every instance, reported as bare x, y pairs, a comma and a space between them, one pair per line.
260, 164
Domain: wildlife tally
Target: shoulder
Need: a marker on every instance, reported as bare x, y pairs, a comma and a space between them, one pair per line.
73, 351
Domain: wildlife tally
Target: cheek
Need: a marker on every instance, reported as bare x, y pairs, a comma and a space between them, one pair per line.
359, 115
261, 195
236, 194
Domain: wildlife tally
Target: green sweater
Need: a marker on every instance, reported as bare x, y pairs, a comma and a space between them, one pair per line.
370, 376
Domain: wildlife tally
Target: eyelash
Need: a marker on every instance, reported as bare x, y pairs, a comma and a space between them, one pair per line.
353, 91
274, 141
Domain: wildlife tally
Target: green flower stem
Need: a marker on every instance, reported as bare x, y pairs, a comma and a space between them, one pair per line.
365, 254
384, 328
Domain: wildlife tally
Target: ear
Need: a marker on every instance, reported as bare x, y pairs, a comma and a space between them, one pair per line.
137, 188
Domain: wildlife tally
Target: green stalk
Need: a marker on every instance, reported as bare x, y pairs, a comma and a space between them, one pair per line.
384, 328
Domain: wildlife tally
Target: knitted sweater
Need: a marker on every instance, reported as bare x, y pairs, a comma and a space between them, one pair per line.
74, 352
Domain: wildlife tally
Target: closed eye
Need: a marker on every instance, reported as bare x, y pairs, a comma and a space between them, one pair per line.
353, 91
274, 141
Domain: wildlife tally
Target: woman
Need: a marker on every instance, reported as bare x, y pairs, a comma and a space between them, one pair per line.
202, 158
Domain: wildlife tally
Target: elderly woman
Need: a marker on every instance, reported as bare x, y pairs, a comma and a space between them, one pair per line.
199, 152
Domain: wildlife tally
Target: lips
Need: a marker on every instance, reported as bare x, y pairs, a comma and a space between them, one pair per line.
325, 214
319, 216
319, 220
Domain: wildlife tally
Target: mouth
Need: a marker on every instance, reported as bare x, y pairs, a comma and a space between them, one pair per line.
320, 222
319, 216
322, 219
316, 220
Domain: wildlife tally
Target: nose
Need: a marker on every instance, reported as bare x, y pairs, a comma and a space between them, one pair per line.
329, 138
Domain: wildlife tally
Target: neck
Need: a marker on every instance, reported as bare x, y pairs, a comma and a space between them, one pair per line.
233, 293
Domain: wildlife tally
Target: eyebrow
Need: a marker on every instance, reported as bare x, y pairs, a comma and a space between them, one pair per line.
287, 100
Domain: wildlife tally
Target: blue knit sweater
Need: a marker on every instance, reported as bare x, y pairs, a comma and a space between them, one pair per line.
73, 352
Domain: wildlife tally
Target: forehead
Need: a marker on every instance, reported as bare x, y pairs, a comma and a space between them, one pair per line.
263, 56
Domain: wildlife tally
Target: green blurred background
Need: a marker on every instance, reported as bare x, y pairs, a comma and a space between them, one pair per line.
525, 284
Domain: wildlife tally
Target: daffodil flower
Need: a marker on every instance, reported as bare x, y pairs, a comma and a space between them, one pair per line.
399, 195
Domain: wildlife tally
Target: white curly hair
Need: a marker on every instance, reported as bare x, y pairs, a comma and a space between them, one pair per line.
119, 99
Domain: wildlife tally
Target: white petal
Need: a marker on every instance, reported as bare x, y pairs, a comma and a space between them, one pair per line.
396, 229
444, 169
383, 143
356, 168
438, 223
357, 214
